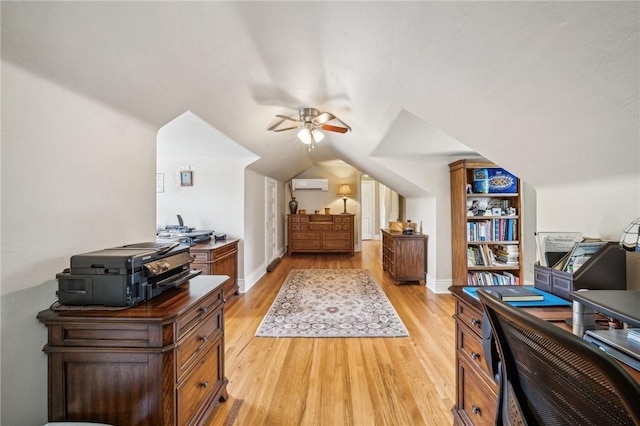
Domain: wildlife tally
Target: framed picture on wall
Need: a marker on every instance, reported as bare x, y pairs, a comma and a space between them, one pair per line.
186, 178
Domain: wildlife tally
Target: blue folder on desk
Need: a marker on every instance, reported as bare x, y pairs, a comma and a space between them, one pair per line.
549, 299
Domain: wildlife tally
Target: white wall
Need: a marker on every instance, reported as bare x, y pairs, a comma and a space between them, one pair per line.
600, 208
420, 211
337, 173
76, 176
254, 223
317, 200
215, 201
433, 209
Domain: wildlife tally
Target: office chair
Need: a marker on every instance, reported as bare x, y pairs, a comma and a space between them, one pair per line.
549, 376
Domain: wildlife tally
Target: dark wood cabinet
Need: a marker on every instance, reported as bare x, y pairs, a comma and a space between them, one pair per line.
321, 233
158, 363
404, 256
218, 258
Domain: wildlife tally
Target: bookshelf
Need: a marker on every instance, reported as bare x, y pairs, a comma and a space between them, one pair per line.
486, 227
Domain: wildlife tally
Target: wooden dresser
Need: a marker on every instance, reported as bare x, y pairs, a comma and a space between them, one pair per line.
404, 256
218, 258
158, 363
476, 389
321, 233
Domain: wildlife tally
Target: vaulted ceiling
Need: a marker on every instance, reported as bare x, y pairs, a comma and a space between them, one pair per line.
548, 90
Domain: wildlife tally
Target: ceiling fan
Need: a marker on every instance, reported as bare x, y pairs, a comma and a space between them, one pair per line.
309, 124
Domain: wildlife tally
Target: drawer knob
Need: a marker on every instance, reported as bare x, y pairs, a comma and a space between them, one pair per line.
206, 384
475, 409
475, 322
204, 339
203, 310
475, 356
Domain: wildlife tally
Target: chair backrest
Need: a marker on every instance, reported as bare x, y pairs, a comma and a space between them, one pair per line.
550, 376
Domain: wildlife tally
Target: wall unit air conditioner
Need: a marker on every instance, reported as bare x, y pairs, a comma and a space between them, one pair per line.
317, 184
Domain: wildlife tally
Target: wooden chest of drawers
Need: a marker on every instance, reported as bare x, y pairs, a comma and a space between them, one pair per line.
218, 258
477, 391
404, 257
159, 363
321, 233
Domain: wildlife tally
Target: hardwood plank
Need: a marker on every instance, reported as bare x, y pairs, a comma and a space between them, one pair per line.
346, 381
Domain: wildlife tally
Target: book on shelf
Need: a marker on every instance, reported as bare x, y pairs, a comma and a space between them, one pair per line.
552, 246
486, 278
515, 294
508, 248
581, 253
493, 230
479, 255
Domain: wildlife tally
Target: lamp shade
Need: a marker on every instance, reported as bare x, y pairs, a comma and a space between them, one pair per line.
630, 238
344, 190
305, 135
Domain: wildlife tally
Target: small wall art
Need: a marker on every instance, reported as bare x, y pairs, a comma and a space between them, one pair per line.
186, 178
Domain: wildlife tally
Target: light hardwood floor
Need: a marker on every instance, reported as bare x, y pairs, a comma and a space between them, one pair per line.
340, 381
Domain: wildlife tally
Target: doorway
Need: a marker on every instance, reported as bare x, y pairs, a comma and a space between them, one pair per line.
367, 200
270, 195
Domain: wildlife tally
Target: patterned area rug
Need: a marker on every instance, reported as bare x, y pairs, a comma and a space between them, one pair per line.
331, 303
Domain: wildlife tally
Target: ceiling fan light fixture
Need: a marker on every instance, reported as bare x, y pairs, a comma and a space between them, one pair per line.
308, 125
307, 136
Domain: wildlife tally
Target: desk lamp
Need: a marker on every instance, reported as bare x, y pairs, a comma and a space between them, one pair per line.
630, 238
344, 191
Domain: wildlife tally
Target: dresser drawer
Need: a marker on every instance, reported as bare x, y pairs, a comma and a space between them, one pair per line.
199, 311
224, 251
321, 226
106, 335
204, 267
335, 244
201, 257
342, 219
342, 227
201, 384
199, 340
340, 235
470, 317
470, 346
306, 244
476, 400
305, 236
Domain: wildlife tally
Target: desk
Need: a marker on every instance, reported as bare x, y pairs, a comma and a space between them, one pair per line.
623, 305
476, 389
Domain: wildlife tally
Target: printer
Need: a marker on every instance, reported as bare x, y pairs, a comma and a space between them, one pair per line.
124, 276
183, 234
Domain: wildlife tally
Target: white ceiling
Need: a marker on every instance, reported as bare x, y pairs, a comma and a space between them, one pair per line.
549, 90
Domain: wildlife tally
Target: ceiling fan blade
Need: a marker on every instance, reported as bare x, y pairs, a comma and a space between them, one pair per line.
286, 117
282, 118
331, 128
286, 128
324, 117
